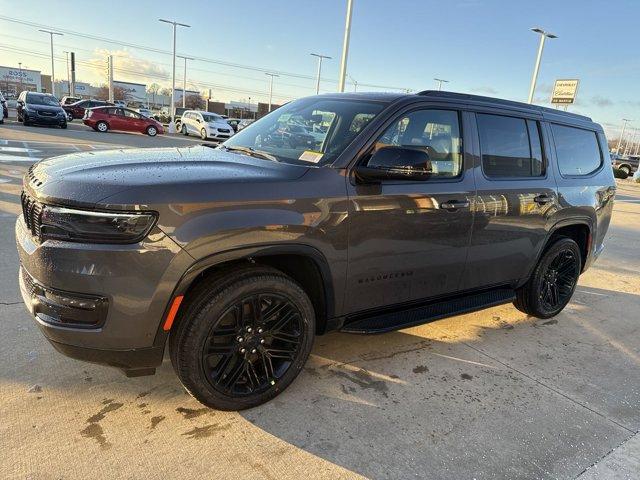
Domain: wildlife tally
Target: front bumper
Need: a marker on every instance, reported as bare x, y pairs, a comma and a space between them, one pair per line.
101, 303
45, 120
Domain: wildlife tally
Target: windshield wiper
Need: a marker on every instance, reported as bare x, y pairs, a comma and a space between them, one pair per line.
251, 152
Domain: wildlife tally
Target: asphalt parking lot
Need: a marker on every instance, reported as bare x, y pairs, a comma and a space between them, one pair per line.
492, 394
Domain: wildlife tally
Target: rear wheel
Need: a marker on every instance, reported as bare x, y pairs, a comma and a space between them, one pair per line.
69, 117
152, 131
102, 126
242, 338
553, 281
625, 169
184, 130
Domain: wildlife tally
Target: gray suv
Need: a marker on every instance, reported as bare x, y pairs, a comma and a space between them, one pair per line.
396, 210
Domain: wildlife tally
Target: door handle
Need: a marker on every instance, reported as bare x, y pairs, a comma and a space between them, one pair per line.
454, 204
543, 199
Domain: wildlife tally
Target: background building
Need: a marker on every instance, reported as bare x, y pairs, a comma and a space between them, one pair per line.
13, 80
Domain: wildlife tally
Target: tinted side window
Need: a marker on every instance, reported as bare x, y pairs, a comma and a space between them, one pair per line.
510, 146
577, 150
436, 132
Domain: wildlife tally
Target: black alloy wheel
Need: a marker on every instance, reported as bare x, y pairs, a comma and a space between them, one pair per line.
553, 281
242, 336
252, 344
559, 280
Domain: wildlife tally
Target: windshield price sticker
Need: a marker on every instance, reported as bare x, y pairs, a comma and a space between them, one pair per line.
311, 156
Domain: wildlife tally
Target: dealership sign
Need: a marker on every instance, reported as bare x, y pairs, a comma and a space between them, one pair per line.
133, 91
564, 91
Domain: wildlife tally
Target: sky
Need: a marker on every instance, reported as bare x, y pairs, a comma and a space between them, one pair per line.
480, 46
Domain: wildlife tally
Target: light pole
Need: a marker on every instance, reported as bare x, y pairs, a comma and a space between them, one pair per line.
440, 82
624, 128
20, 70
543, 36
51, 34
345, 46
271, 87
320, 58
68, 75
184, 80
172, 124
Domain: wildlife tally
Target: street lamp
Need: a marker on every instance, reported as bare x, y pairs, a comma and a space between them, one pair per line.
271, 87
440, 82
543, 36
172, 124
184, 81
624, 127
320, 58
51, 34
345, 46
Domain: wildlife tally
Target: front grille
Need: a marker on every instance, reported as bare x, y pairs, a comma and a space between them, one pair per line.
45, 113
32, 211
224, 130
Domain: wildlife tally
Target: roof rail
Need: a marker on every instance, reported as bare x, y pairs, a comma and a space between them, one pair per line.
500, 101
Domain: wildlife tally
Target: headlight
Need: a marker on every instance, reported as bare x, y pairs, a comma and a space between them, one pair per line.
62, 223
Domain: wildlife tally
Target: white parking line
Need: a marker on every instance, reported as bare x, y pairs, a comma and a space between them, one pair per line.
16, 158
593, 293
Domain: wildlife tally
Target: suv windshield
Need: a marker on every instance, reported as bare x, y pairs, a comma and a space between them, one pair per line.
212, 118
312, 130
39, 99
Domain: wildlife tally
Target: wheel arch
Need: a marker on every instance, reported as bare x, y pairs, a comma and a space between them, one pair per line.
305, 264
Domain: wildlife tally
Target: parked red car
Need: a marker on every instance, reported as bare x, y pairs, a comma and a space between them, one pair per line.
102, 119
77, 109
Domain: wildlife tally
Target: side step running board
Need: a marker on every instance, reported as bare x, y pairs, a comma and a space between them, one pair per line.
387, 322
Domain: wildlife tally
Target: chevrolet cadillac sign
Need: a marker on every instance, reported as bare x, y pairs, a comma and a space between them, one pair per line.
564, 91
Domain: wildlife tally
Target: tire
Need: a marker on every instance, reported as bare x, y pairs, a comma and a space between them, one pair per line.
242, 372
553, 281
625, 169
25, 121
203, 134
64, 125
152, 131
184, 131
102, 127
69, 117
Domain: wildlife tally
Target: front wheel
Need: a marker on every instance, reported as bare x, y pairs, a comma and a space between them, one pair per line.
203, 134
242, 338
102, 127
63, 125
553, 281
184, 131
152, 131
626, 170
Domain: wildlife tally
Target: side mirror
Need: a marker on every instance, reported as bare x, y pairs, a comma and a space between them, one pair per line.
395, 163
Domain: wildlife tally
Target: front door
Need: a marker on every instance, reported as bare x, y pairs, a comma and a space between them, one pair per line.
408, 239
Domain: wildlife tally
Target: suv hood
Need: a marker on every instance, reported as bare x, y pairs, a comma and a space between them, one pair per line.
87, 178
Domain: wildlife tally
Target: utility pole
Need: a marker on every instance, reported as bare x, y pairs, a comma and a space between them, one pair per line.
320, 58
624, 128
440, 82
73, 74
355, 83
184, 81
172, 124
271, 87
110, 74
543, 36
20, 70
51, 34
345, 46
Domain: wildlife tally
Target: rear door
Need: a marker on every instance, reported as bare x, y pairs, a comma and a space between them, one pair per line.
516, 198
408, 239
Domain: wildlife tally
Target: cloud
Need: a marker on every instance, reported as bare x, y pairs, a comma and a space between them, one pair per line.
127, 67
485, 89
600, 101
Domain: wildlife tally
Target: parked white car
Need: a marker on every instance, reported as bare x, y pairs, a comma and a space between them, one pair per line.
206, 124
